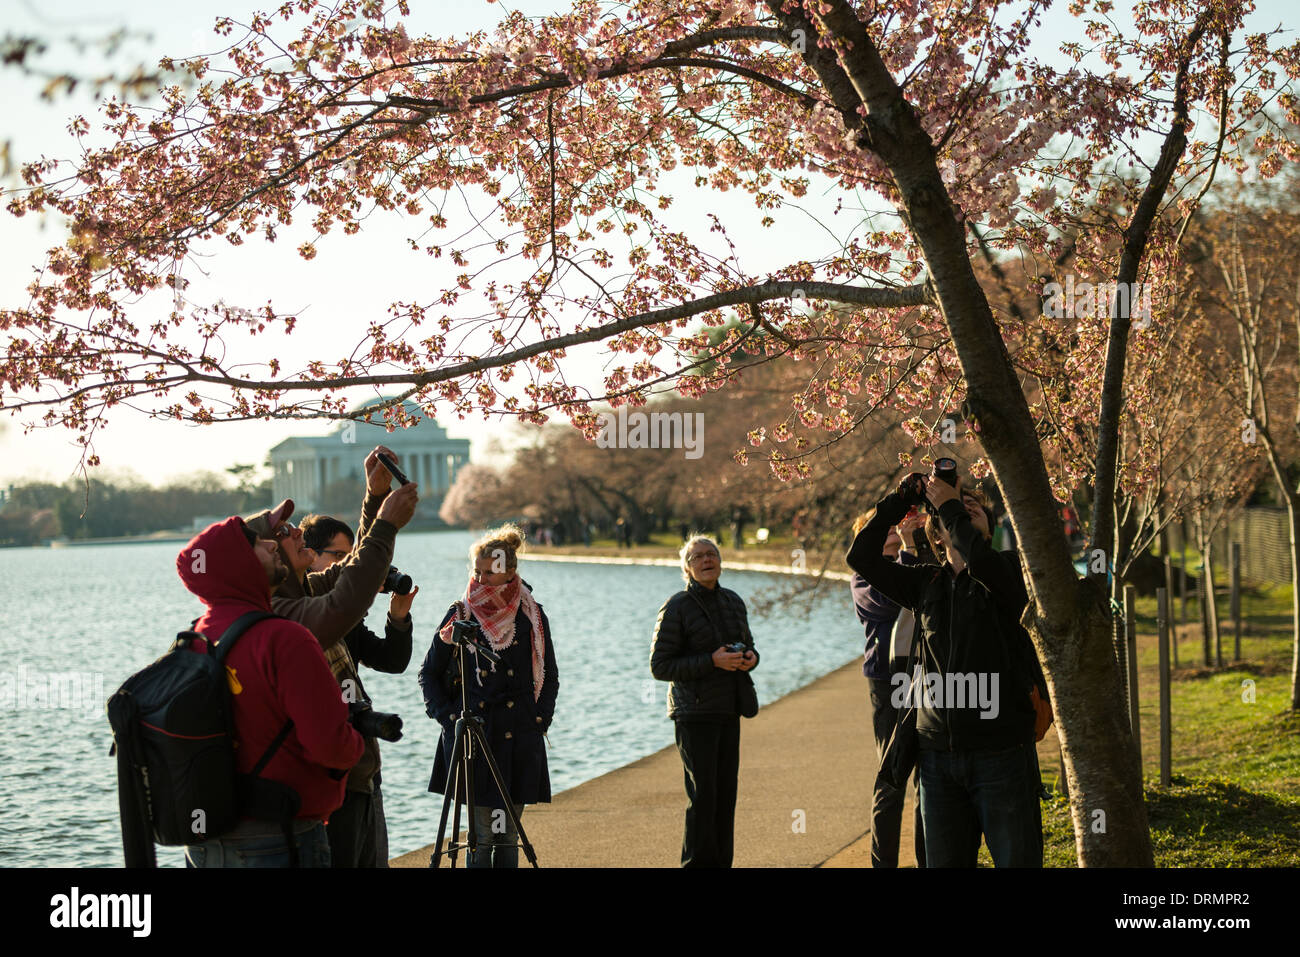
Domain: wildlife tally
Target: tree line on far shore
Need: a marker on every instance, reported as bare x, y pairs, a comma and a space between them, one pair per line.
35, 512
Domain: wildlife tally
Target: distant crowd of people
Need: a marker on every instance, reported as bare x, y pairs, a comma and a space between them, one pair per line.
957, 696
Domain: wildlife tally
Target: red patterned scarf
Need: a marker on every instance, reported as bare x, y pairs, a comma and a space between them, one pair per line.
495, 607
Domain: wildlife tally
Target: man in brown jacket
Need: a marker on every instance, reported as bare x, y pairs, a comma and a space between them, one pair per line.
330, 604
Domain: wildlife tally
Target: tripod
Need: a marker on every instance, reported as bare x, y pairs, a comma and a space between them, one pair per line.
469, 741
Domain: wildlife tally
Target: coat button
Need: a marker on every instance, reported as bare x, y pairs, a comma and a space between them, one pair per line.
510, 704
539, 719
510, 672
480, 704
509, 735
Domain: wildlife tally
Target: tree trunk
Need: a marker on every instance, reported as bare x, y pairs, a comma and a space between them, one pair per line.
1105, 780
1212, 646
1070, 618
1169, 581
1293, 523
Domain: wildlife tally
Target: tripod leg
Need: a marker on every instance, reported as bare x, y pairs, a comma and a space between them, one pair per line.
457, 846
467, 766
505, 796
448, 799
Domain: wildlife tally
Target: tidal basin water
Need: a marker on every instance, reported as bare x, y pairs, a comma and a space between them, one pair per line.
75, 622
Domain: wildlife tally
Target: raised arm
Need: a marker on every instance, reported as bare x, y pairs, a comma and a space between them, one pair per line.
330, 611
389, 654
999, 572
901, 583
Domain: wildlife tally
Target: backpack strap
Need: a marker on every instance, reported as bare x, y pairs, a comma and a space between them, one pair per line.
232, 634
270, 798
272, 748
273, 799
133, 802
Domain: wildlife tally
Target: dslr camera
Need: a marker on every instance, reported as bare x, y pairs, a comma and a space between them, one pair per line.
374, 724
396, 583
913, 488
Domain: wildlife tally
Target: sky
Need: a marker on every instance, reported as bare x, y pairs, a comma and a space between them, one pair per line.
350, 281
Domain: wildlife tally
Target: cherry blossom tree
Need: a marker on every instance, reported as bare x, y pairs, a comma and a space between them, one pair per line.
1249, 277
932, 121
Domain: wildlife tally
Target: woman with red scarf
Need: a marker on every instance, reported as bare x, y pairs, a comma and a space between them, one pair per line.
515, 697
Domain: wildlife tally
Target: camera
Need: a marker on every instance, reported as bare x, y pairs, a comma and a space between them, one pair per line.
736, 646
946, 470
913, 487
374, 724
396, 583
470, 634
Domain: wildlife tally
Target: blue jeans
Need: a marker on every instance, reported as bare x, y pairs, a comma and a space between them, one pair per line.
497, 839
964, 792
262, 850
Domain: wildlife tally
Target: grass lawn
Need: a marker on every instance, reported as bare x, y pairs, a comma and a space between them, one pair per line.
1235, 794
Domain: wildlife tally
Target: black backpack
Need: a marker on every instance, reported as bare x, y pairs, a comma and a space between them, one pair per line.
173, 734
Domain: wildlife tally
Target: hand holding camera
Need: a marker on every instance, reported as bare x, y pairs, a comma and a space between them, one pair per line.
936, 493
728, 658
399, 507
399, 603
378, 477
917, 490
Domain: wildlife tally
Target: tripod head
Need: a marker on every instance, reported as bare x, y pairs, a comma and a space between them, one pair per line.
469, 634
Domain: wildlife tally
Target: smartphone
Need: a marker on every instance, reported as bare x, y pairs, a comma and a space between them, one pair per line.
393, 470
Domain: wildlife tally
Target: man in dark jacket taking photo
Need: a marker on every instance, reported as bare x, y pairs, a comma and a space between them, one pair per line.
974, 688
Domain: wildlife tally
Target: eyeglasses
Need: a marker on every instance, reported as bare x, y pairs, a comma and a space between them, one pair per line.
337, 553
695, 558
283, 531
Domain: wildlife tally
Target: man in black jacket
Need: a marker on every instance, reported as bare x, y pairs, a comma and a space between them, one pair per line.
710, 690
358, 832
975, 716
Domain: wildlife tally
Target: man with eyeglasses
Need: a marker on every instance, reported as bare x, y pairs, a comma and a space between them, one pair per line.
332, 541
330, 604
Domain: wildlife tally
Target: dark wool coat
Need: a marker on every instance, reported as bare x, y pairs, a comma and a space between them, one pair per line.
513, 721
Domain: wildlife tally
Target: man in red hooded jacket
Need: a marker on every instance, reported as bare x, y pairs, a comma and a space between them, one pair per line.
277, 673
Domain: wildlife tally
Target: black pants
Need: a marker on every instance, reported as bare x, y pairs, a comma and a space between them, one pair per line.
886, 801
351, 831
710, 753
381, 827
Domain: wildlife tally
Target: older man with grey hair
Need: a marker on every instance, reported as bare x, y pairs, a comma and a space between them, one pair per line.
703, 646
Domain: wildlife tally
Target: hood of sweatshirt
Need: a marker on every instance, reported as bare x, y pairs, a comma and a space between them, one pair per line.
219, 567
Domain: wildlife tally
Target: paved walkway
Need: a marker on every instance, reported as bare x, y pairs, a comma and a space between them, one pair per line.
807, 763
806, 766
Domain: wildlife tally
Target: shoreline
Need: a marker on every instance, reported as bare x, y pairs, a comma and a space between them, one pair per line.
807, 765
773, 569
792, 753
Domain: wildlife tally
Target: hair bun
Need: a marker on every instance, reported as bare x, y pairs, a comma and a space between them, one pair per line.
508, 538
